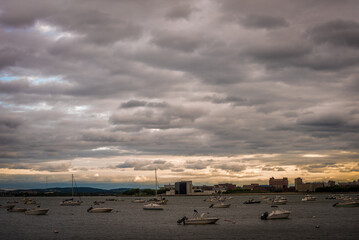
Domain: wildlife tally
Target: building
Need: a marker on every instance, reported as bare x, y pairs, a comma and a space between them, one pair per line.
168, 186
279, 184
251, 186
225, 186
183, 187
309, 187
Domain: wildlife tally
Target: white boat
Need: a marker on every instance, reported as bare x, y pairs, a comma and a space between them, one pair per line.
308, 198
30, 202
276, 214
37, 211
198, 219
279, 200
220, 205
71, 201
152, 206
99, 210
16, 209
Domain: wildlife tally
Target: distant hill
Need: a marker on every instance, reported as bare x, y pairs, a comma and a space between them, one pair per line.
68, 190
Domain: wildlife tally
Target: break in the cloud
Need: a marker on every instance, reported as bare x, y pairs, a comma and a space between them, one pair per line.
211, 91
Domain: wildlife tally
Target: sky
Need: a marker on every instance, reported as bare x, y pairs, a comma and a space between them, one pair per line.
208, 91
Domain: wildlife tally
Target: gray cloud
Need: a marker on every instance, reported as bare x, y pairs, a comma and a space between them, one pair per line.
263, 21
146, 165
118, 78
337, 32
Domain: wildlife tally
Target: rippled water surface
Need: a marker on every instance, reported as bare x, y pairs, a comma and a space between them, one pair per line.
129, 221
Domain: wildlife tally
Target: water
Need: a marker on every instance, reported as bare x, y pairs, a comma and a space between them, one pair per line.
129, 221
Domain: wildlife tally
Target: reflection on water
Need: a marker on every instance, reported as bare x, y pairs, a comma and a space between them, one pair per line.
129, 221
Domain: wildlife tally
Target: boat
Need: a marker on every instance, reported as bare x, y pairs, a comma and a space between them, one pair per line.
331, 197
37, 211
251, 201
157, 200
16, 209
152, 206
12, 201
7, 206
30, 202
71, 201
111, 199
279, 200
219, 205
347, 204
276, 214
138, 200
308, 198
198, 219
99, 210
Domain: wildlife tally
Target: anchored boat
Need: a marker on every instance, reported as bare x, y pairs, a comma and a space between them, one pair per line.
197, 219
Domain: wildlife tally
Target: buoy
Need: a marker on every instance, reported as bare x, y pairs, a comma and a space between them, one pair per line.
56, 231
314, 216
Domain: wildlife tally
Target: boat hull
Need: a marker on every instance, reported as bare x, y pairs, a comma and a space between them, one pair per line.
349, 204
70, 203
36, 212
16, 209
221, 206
100, 210
200, 221
278, 216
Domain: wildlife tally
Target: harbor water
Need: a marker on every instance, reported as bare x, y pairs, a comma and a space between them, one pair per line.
308, 220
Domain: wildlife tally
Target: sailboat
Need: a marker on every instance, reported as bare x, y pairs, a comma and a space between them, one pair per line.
157, 200
71, 201
154, 204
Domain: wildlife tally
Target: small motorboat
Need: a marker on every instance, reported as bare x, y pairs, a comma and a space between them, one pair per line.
197, 219
279, 200
37, 211
251, 201
220, 205
16, 209
70, 202
331, 197
12, 201
347, 204
276, 214
160, 201
152, 206
308, 198
99, 210
30, 202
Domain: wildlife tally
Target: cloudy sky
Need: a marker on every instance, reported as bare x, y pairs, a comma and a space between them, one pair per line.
209, 91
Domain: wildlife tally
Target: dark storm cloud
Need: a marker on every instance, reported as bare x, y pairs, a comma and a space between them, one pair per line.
337, 32
176, 40
146, 165
62, 167
99, 79
137, 103
263, 21
181, 11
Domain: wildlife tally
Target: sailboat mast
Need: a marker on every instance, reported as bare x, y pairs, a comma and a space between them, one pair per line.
156, 180
72, 185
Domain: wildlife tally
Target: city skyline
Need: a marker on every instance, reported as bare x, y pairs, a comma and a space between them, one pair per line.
212, 91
